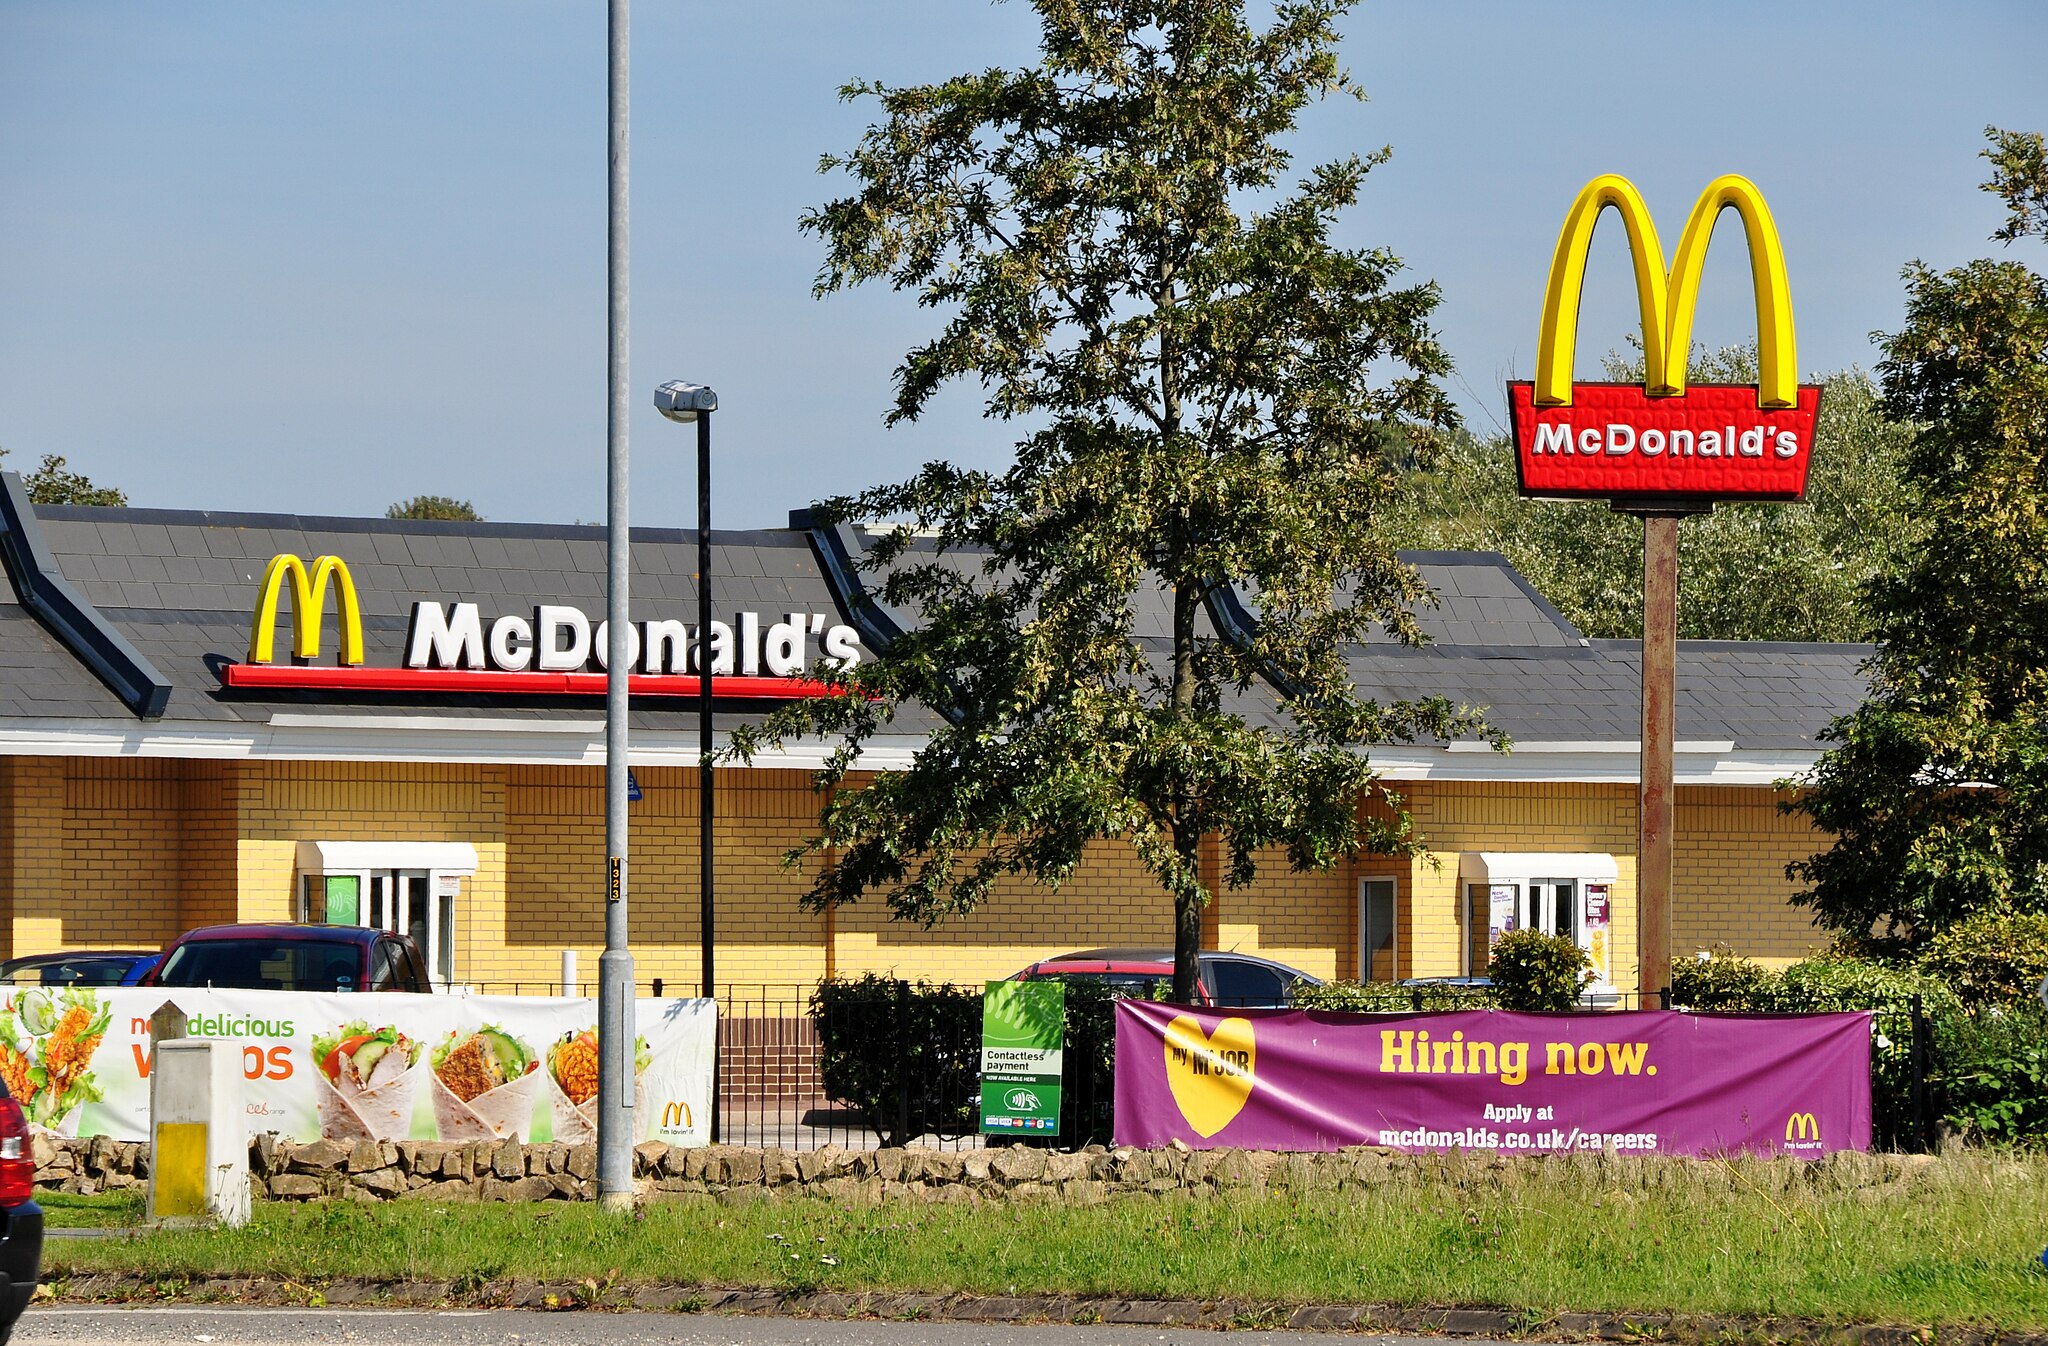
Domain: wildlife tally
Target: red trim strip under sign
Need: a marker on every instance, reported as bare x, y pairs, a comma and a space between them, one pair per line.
489, 682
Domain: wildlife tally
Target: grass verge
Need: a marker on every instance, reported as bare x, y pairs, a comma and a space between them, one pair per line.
1952, 1243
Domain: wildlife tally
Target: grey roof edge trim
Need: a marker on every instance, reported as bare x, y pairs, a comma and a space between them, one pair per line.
332, 523
1861, 650
88, 635
1239, 625
879, 623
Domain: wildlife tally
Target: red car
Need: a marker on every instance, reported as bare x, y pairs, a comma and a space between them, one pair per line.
1233, 980
293, 958
21, 1219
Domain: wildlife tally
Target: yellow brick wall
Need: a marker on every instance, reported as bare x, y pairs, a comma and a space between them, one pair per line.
7, 852
1111, 900
126, 851
555, 876
283, 803
39, 899
1730, 887
120, 870
1455, 817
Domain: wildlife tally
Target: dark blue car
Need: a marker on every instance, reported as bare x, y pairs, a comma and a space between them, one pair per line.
84, 967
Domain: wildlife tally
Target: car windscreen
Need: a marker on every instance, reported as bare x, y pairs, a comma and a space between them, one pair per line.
1129, 985
265, 964
65, 972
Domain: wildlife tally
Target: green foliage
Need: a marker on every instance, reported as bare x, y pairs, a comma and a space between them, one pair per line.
1937, 789
1211, 390
1382, 997
1833, 985
1533, 971
434, 507
1725, 983
1992, 959
1746, 572
907, 1056
55, 484
1992, 1073
1088, 1088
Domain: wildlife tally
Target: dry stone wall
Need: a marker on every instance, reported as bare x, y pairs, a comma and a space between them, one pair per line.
508, 1171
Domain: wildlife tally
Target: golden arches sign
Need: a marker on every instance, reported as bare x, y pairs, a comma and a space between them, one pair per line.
1802, 1126
1667, 299
309, 607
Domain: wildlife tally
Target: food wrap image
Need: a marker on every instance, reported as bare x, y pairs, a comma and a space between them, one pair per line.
47, 1043
366, 1082
572, 1084
484, 1085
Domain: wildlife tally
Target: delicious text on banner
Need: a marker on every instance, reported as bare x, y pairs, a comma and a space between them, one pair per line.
1644, 1083
362, 1067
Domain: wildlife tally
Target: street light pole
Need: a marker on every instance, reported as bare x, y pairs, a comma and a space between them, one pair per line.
615, 1129
687, 402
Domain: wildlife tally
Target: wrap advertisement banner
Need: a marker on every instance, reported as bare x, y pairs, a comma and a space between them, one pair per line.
1647, 1082
356, 1067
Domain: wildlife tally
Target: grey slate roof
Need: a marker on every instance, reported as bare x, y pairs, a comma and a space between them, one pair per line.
182, 585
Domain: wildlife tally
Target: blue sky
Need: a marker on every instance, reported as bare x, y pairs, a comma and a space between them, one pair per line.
318, 257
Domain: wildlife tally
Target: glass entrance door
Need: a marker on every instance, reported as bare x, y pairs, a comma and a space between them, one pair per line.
1552, 906
404, 902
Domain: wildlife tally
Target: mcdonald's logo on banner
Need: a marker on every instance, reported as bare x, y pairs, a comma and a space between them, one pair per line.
1802, 1126
1665, 441
309, 608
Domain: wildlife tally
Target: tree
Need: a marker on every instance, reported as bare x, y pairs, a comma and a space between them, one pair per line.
1936, 789
1188, 355
1746, 571
434, 507
55, 484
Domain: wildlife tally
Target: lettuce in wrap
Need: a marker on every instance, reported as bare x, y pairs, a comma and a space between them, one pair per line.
366, 1082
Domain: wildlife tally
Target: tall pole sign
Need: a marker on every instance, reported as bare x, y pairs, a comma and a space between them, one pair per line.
1662, 451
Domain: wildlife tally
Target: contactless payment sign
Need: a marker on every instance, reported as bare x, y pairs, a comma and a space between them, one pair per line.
1663, 440
1023, 1039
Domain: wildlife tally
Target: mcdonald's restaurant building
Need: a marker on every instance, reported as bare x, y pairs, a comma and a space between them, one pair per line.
413, 738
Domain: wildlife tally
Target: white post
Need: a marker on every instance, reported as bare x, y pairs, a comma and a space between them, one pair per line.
568, 972
198, 1134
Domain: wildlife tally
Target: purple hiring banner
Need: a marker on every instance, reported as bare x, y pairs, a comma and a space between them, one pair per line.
1648, 1082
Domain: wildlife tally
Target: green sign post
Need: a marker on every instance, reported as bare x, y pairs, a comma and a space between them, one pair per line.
1023, 1035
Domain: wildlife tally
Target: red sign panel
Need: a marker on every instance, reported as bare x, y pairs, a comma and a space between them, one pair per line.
492, 682
1617, 442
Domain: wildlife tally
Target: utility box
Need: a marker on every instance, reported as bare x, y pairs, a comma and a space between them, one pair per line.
198, 1134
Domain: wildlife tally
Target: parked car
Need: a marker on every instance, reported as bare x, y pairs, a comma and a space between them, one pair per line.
293, 958
83, 967
21, 1219
1233, 980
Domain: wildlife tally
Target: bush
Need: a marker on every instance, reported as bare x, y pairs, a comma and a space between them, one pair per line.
1384, 997
1991, 1081
1834, 984
1726, 984
907, 1057
1992, 959
1535, 971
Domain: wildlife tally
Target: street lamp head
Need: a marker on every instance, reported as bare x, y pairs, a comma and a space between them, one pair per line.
681, 401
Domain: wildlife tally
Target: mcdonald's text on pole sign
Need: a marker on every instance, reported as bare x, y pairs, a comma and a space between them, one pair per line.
1665, 442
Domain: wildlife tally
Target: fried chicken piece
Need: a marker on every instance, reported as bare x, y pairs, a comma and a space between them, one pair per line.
467, 1070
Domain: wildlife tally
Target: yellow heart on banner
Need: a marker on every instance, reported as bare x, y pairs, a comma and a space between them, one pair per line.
1210, 1073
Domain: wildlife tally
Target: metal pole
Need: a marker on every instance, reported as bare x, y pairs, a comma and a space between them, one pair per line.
707, 909
615, 1130
1655, 851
